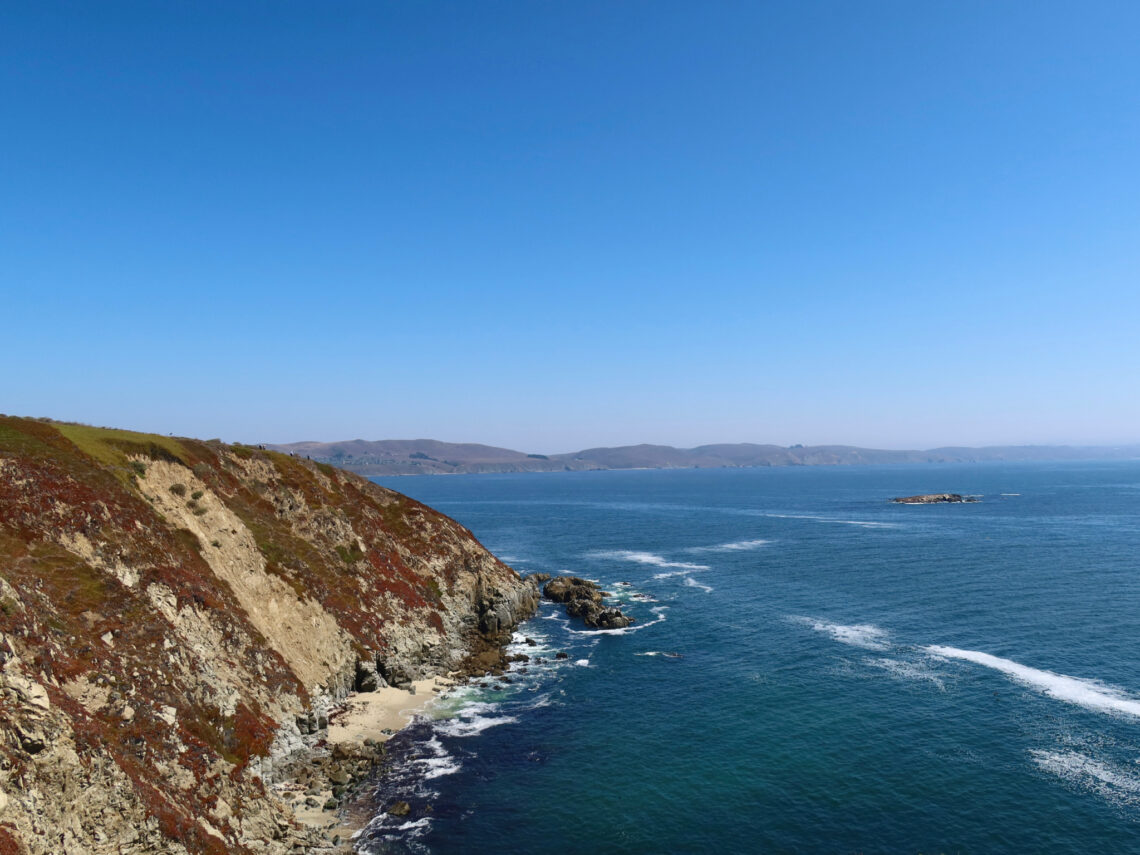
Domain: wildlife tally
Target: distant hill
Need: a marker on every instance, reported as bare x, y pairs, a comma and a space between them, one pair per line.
432, 457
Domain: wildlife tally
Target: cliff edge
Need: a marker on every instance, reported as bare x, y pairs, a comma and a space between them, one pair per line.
176, 617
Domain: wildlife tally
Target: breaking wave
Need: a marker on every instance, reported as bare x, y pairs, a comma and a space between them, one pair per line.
659, 611
861, 523
863, 635
1090, 694
649, 558
1112, 783
735, 546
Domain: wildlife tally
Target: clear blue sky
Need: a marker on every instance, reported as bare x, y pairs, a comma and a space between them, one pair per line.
557, 225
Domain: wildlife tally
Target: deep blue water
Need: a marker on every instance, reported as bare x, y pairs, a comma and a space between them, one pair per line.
853, 676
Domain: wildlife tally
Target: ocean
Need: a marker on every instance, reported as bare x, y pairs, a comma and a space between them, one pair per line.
813, 668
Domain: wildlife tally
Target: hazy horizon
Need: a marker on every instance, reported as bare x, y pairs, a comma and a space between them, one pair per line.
710, 442
549, 227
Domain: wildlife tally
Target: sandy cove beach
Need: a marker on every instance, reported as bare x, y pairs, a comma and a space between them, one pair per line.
366, 715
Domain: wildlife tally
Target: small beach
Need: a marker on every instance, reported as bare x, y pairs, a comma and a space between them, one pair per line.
376, 717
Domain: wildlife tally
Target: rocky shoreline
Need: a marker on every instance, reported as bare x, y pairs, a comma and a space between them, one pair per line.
328, 784
186, 625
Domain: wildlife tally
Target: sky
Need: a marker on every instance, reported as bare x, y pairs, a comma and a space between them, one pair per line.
557, 225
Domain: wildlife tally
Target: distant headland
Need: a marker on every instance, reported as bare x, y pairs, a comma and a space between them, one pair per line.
432, 457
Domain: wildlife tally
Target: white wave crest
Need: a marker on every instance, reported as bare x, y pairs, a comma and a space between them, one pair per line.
859, 635
470, 725
693, 583
1090, 694
735, 546
861, 523
1110, 782
582, 663
440, 763
648, 558
659, 611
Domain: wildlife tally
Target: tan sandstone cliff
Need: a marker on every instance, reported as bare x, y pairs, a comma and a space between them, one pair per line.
176, 617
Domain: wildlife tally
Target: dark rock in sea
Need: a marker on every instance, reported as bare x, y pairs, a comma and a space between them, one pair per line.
561, 655
583, 599
934, 498
610, 619
563, 589
400, 809
531, 642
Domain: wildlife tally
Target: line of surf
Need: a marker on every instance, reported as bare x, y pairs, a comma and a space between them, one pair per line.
735, 546
649, 558
1091, 694
863, 635
693, 583
813, 518
1110, 781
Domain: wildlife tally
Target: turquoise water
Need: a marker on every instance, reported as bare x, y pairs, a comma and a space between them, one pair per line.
850, 675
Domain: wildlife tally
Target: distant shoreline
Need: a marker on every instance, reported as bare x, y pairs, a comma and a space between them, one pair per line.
389, 458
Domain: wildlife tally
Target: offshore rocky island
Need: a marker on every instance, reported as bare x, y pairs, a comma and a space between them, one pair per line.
180, 620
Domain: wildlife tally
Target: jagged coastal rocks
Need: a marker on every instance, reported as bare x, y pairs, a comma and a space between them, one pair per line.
584, 599
179, 620
934, 499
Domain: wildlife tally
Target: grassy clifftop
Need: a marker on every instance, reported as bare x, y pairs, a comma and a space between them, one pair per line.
173, 612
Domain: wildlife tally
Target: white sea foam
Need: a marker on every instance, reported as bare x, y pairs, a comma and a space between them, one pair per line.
582, 663
470, 725
859, 635
907, 670
693, 583
735, 546
659, 611
1090, 694
648, 558
862, 523
419, 823
1111, 782
440, 763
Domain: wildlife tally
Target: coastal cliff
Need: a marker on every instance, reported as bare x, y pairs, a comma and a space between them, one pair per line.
177, 618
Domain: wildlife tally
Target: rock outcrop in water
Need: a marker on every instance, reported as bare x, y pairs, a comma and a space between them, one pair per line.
178, 617
584, 599
934, 499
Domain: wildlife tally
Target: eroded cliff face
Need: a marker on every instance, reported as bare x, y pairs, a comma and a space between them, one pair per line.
177, 615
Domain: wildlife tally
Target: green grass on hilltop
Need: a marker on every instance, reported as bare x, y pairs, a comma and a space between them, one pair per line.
112, 446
